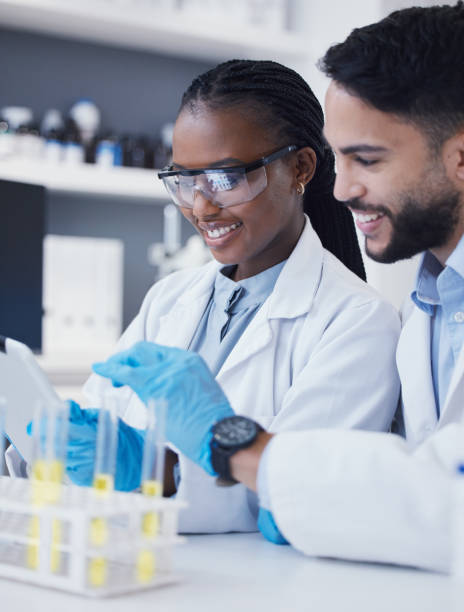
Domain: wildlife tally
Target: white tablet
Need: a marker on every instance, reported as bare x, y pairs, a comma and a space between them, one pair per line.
23, 384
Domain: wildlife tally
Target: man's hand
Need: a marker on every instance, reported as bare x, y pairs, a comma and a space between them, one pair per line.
244, 463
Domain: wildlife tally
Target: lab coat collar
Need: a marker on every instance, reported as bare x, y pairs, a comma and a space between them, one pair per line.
414, 366
453, 403
452, 410
299, 280
202, 286
292, 297
179, 324
295, 287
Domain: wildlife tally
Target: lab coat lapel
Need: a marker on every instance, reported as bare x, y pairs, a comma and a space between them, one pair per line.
453, 409
257, 336
414, 366
178, 326
292, 297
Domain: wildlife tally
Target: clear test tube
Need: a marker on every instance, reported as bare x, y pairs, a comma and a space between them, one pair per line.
107, 445
154, 449
103, 483
152, 484
57, 448
50, 435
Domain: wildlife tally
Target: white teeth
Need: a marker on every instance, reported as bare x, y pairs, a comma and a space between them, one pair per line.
366, 218
216, 233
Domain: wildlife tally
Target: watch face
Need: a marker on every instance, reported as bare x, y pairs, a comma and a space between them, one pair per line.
234, 431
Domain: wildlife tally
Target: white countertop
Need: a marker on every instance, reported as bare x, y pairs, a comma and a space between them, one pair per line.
235, 572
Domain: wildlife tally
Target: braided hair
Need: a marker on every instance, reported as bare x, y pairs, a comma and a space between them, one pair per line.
284, 104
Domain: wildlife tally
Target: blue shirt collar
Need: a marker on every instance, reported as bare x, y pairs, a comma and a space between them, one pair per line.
456, 259
425, 294
255, 289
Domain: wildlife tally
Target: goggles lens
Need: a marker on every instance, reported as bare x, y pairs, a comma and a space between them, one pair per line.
221, 188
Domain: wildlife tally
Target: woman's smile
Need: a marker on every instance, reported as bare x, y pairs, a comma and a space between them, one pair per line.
218, 233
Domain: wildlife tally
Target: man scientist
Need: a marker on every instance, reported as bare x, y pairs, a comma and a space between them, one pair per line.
395, 120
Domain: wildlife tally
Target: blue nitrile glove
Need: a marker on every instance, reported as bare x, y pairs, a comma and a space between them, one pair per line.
268, 527
195, 400
80, 450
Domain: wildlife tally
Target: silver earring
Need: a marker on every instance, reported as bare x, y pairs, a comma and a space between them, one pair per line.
300, 189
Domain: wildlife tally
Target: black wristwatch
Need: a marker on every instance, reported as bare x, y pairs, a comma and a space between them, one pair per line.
229, 436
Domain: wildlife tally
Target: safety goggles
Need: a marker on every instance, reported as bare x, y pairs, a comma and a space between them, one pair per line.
223, 187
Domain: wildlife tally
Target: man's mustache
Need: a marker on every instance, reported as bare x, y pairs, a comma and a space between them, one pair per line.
367, 208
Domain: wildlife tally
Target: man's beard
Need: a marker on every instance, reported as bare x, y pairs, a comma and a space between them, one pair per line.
420, 225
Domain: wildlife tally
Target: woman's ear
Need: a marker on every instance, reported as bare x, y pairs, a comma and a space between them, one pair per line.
305, 166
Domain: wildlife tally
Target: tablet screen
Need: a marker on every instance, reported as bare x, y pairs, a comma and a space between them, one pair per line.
23, 385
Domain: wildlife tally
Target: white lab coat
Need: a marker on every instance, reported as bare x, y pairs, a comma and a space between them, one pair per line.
319, 353
373, 496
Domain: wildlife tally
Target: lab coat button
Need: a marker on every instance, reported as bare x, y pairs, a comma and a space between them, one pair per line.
459, 317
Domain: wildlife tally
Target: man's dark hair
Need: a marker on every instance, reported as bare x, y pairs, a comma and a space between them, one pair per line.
284, 104
410, 64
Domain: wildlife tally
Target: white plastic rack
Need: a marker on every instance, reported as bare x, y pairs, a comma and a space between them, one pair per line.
125, 560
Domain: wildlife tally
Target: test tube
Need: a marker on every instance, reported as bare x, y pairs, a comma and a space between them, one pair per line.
50, 429
50, 434
103, 482
152, 483
107, 445
154, 449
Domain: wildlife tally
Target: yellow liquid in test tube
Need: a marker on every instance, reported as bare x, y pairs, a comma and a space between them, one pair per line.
152, 484
150, 520
46, 489
49, 450
103, 483
46, 478
33, 547
146, 566
98, 532
55, 558
146, 562
152, 488
98, 570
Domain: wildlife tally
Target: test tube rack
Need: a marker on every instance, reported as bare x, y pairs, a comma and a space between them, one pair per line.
60, 552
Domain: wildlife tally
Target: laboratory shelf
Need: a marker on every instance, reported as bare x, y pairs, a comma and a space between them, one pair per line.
168, 32
87, 179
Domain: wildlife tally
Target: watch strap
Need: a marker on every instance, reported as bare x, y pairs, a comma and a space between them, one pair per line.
220, 458
221, 465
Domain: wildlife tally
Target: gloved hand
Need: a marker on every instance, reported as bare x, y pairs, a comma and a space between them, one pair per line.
80, 449
268, 527
195, 400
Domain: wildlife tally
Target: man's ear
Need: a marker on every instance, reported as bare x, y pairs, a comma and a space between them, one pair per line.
453, 159
305, 165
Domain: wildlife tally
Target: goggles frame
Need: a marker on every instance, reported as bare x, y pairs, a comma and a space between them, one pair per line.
243, 169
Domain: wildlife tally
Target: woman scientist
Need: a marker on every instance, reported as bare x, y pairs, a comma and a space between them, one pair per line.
295, 339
